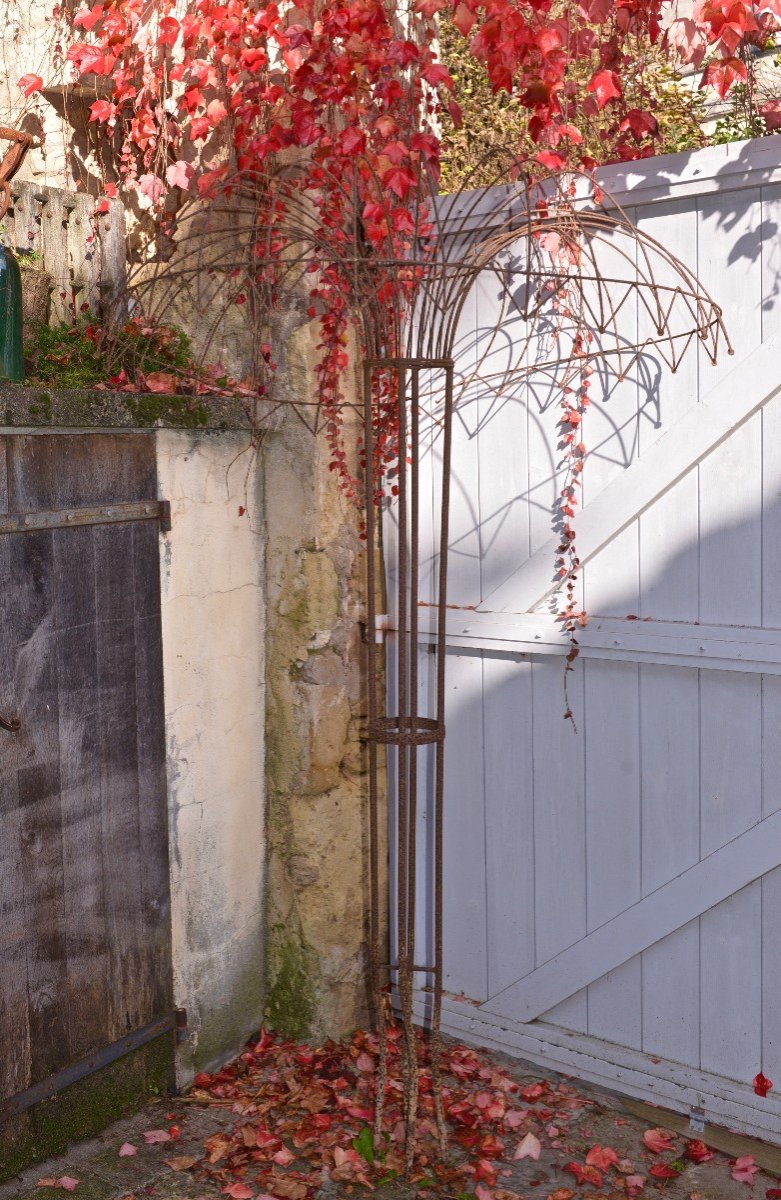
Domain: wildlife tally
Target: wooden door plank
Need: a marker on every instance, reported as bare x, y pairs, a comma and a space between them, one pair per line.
14, 1008
152, 796
51, 470
703, 886
79, 732
731, 403
38, 782
118, 732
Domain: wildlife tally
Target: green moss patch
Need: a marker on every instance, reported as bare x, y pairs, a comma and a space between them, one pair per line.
86, 1107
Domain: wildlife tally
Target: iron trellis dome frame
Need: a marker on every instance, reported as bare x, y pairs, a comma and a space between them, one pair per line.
543, 248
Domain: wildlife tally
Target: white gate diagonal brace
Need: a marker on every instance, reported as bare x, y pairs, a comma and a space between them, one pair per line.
705, 426
713, 879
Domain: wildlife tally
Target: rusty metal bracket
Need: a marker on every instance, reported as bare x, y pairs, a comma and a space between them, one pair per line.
105, 514
172, 1021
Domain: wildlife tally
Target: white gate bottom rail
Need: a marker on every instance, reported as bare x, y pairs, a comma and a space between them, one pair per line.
660, 1081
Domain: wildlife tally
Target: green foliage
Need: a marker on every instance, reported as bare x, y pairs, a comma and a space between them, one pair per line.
364, 1144
742, 120
134, 356
498, 121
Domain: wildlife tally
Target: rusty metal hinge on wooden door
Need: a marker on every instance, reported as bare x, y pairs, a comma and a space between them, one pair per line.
104, 514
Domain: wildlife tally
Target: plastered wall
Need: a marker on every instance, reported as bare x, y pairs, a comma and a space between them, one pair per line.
213, 651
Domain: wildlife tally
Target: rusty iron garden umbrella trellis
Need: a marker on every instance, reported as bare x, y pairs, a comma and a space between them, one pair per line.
543, 242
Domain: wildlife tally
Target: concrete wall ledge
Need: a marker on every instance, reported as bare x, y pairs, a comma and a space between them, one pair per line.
23, 407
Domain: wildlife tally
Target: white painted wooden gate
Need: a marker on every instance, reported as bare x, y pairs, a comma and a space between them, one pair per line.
613, 895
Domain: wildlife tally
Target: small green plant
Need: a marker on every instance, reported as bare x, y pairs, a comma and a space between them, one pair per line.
30, 257
741, 121
133, 356
364, 1144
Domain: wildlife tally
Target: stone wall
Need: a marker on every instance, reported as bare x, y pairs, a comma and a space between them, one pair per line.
317, 889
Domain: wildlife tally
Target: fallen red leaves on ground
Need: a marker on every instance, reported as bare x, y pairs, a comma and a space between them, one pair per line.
304, 1116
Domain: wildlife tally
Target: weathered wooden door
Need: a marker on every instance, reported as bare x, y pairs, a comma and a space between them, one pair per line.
613, 892
84, 892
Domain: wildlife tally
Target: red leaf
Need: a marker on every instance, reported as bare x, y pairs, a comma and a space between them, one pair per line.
529, 1148
601, 1157
438, 76
744, 1169
698, 1152
663, 1171
606, 86
463, 19
658, 1140
30, 83
399, 180
101, 110
587, 1174
762, 1085
723, 74
686, 40
771, 112
596, 11
179, 174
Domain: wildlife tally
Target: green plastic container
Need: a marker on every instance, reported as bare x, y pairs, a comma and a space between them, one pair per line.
11, 349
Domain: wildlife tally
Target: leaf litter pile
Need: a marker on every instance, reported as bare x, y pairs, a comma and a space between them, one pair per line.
301, 1121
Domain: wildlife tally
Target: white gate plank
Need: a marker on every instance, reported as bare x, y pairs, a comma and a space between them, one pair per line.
770, 1062
502, 441
509, 818
559, 827
771, 511
729, 405
611, 710
771, 883
730, 756
769, 226
669, 584
730, 545
465, 554
729, 266
670, 772
731, 986
464, 830
730, 934
669, 564
703, 886
610, 431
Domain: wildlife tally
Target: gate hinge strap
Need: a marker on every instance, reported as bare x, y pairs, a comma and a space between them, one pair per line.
176, 1020
104, 514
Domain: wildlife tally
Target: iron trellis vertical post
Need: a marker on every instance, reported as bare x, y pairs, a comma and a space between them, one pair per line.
407, 729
